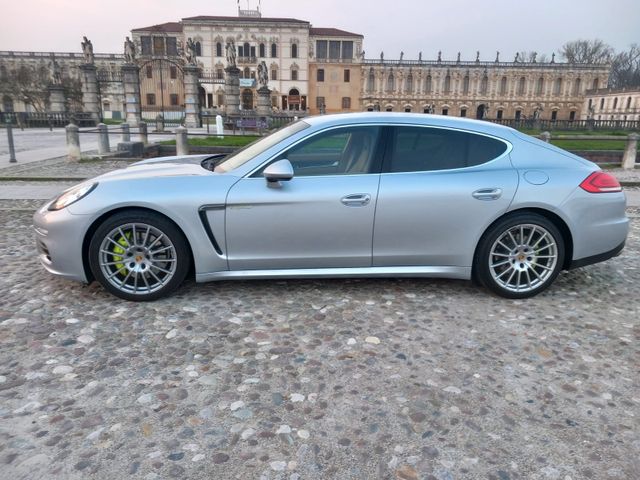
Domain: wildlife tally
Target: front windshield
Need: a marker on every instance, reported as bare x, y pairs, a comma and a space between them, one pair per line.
254, 149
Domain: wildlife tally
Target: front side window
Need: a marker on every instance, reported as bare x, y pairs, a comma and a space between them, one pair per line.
421, 149
342, 151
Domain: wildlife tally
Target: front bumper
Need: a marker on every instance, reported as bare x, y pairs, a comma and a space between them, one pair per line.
59, 237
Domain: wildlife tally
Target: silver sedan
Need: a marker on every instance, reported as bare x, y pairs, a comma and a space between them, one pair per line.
376, 195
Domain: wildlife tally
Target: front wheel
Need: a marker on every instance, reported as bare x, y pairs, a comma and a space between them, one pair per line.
520, 256
139, 255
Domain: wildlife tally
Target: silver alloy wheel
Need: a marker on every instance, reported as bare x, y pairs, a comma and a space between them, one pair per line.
137, 258
523, 258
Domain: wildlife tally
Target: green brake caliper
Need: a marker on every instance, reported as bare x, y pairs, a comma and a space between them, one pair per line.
118, 251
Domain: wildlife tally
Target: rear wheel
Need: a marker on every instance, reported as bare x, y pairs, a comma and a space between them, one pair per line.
139, 255
520, 256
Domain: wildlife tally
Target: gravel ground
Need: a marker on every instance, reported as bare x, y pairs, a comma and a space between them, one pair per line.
344, 379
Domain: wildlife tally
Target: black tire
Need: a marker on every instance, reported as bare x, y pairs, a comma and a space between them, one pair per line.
160, 247
527, 258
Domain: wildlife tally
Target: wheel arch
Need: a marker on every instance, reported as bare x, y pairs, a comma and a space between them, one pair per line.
98, 221
549, 215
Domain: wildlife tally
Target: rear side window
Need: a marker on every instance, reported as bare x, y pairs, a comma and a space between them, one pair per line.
420, 149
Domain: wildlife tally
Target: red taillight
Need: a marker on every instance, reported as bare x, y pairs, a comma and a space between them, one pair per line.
600, 182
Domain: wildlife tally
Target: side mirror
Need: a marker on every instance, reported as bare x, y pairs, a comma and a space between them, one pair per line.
277, 171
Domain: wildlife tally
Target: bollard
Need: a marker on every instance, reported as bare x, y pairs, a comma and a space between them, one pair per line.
142, 131
219, 126
630, 152
103, 139
545, 136
207, 123
182, 146
126, 132
12, 148
73, 142
159, 123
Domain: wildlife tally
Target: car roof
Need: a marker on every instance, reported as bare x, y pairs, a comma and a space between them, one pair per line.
410, 118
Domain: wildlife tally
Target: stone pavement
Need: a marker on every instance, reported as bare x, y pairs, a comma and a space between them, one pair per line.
317, 379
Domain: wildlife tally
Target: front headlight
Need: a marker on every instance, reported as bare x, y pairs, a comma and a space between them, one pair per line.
72, 195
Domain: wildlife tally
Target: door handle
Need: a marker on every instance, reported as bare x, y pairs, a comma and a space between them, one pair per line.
487, 194
356, 200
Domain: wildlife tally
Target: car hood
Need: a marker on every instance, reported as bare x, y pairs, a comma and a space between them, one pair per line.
161, 167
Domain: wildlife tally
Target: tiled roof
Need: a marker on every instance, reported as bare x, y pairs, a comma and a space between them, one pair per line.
244, 19
331, 32
169, 27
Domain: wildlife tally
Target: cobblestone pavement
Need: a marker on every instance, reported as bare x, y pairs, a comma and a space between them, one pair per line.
323, 379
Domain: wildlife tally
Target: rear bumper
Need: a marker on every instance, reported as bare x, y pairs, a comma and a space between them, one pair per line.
601, 257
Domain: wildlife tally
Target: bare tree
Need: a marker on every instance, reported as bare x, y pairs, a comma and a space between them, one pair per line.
625, 68
29, 85
587, 51
531, 56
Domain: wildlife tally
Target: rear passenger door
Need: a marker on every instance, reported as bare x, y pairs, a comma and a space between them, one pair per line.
440, 188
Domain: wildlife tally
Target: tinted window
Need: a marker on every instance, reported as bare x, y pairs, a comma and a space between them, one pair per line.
417, 149
343, 151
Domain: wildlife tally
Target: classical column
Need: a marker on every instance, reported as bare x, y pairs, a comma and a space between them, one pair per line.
191, 97
131, 84
264, 102
90, 100
56, 98
232, 91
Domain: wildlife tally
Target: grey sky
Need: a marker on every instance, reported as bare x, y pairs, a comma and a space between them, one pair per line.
390, 25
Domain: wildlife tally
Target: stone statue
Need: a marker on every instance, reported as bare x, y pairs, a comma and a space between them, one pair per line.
485, 112
553, 57
478, 56
458, 59
263, 75
420, 57
129, 51
401, 56
515, 60
382, 56
533, 57
537, 111
87, 50
56, 73
439, 56
497, 57
190, 52
362, 55
230, 51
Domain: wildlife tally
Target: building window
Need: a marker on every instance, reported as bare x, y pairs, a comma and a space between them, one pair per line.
409, 84
172, 46
503, 85
346, 102
262, 50
173, 98
218, 49
219, 74
347, 50
145, 42
388, 109
321, 49
106, 106
595, 84
274, 50
572, 115
465, 84
499, 114
601, 103
319, 102
320, 75
447, 84
463, 112
522, 83
151, 98
445, 111
334, 49
557, 87
294, 74
274, 74
391, 83
294, 51
540, 86
407, 109
198, 49
628, 103
173, 72
220, 98
347, 75
576, 87
371, 82
615, 103
149, 71
518, 114
158, 45
209, 100
484, 84
428, 84
554, 115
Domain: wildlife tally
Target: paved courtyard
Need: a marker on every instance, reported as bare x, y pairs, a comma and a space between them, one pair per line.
346, 379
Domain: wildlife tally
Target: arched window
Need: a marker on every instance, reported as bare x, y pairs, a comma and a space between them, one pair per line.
577, 84
465, 84
595, 84
557, 86
294, 51
540, 86
391, 83
262, 50
428, 84
274, 72
522, 83
628, 102
484, 84
371, 83
198, 49
274, 50
503, 85
409, 84
218, 49
246, 49
615, 103
447, 84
